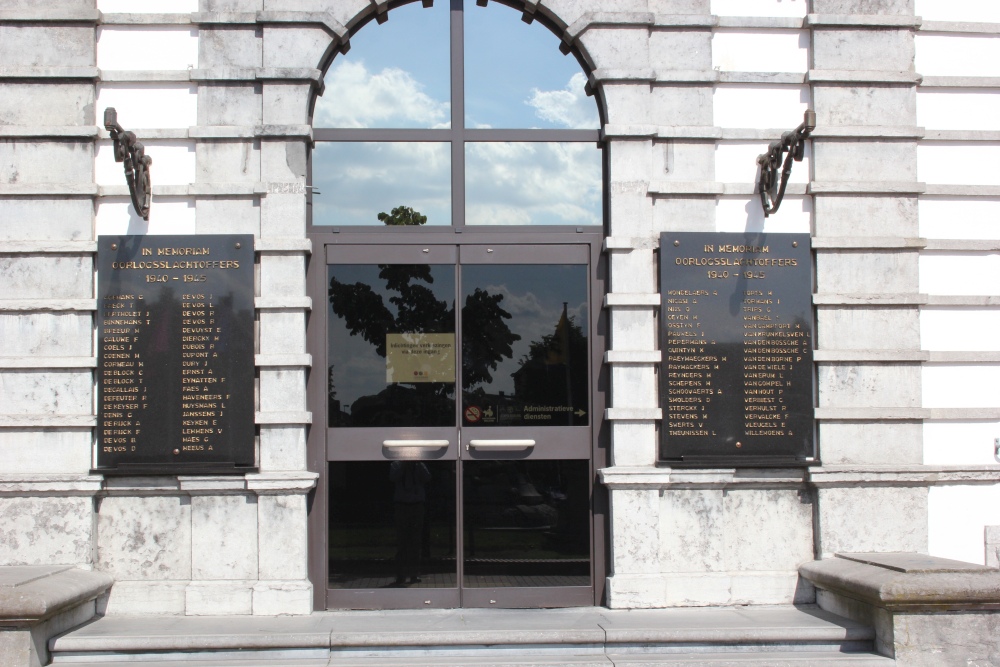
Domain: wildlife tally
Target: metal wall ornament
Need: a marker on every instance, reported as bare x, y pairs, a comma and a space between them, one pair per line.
137, 163
770, 186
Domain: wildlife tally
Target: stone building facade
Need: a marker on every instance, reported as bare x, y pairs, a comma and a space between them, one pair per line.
900, 191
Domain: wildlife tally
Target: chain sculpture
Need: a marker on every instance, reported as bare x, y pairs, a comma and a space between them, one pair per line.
137, 163
772, 189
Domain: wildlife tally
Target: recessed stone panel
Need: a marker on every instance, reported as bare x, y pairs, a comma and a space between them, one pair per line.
144, 538
46, 531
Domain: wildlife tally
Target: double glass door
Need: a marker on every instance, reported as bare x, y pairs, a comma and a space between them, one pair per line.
459, 425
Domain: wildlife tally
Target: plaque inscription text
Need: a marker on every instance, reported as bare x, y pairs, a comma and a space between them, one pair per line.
175, 367
736, 334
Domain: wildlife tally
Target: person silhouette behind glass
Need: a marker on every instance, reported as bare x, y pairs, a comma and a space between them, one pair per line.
409, 497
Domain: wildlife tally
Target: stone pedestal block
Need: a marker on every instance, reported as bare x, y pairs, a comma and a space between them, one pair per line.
927, 611
38, 602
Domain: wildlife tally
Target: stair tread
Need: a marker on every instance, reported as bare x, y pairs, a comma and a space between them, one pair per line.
709, 659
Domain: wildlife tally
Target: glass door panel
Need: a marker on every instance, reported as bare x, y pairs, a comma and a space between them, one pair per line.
435, 500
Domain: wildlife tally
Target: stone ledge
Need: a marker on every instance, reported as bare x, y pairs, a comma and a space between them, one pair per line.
48, 247
846, 476
867, 187
633, 357
40, 15
282, 245
658, 478
626, 300
960, 82
862, 76
633, 414
283, 303
905, 414
48, 305
762, 22
43, 362
907, 582
863, 21
33, 593
47, 420
941, 190
962, 135
961, 26
630, 243
282, 360
49, 131
86, 73
836, 356
50, 485
867, 243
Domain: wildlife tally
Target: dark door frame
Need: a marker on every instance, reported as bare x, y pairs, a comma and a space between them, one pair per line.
317, 344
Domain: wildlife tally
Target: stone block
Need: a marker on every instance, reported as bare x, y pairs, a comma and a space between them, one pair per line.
228, 162
954, 639
876, 519
282, 448
230, 46
282, 537
992, 544
680, 49
145, 538
229, 103
767, 529
633, 329
621, 48
871, 104
236, 6
856, 216
283, 216
871, 443
145, 598
884, 7
631, 210
45, 451
628, 591
295, 46
867, 385
283, 161
634, 271
680, 6
224, 539
46, 219
46, 276
53, 5
45, 161
46, 531
287, 103
867, 327
282, 275
63, 334
283, 332
220, 215
687, 161
864, 271
684, 214
219, 598
634, 386
672, 104
54, 45
633, 444
273, 598
282, 389
884, 49
31, 391
46, 104
864, 160
692, 530
635, 537
627, 103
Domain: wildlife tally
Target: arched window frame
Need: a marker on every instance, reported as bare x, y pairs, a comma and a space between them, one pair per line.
457, 136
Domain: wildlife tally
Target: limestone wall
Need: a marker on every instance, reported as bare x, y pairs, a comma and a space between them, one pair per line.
900, 189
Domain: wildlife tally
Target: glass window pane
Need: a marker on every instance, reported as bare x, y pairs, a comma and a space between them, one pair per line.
359, 180
381, 320
524, 345
392, 524
516, 77
533, 184
395, 75
527, 523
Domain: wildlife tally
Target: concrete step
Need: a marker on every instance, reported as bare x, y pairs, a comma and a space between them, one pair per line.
583, 637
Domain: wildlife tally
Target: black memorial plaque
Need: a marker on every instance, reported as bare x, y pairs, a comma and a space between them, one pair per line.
736, 331
175, 366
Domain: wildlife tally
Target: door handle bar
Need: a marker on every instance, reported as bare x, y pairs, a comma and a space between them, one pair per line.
501, 444
420, 444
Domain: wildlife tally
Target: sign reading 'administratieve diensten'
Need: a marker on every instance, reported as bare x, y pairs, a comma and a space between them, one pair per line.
736, 330
175, 369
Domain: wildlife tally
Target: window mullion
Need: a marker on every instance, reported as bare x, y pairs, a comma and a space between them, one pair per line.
457, 114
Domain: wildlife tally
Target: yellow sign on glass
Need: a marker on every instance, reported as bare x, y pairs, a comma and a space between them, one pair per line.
419, 357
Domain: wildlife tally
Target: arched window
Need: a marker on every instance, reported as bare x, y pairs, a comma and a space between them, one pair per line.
456, 114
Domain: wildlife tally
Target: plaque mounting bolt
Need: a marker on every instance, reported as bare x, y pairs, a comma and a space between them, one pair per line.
239, 245
176, 452
795, 244
739, 444
676, 243
114, 246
